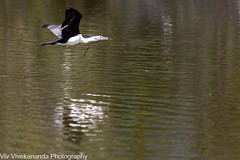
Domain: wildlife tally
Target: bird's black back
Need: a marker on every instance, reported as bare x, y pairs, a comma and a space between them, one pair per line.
72, 20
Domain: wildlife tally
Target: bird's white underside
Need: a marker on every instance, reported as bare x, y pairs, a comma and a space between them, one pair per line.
80, 39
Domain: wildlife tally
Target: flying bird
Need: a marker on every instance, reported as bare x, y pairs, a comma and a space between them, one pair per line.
68, 32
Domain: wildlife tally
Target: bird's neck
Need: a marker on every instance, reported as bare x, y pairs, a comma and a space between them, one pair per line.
80, 39
92, 38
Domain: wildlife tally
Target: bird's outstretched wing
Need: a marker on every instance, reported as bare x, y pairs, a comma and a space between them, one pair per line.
70, 26
55, 29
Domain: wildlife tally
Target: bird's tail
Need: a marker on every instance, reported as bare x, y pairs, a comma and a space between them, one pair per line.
52, 42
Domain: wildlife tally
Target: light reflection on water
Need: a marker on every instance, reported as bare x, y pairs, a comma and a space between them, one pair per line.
80, 115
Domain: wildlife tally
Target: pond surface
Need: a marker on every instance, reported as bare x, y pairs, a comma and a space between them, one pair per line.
166, 87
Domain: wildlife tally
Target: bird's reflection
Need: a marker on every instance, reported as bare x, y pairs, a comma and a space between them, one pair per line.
81, 116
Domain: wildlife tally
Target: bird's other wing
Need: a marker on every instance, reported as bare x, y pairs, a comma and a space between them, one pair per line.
71, 23
55, 29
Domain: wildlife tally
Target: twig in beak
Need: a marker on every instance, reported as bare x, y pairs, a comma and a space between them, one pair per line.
87, 49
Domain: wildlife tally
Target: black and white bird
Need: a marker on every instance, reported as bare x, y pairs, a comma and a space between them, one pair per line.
68, 32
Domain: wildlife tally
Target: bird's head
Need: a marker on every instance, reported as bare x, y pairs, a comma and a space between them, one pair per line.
104, 38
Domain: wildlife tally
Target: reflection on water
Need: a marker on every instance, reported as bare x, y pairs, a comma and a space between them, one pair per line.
80, 116
166, 87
